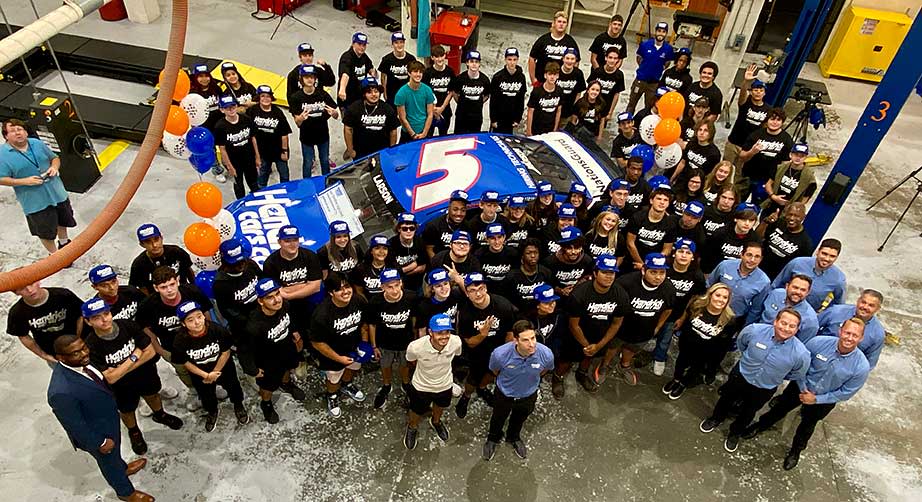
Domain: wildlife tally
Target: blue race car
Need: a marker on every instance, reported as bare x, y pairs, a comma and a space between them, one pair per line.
418, 177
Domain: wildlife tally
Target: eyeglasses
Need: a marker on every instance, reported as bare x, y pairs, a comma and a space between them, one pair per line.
407, 229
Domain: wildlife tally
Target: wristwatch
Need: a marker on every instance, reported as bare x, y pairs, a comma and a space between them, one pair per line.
133, 358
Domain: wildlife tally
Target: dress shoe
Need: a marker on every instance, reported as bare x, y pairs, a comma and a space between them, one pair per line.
135, 466
138, 496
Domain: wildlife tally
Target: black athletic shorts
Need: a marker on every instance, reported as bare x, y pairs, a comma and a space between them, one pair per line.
143, 381
571, 351
421, 402
44, 224
476, 370
272, 374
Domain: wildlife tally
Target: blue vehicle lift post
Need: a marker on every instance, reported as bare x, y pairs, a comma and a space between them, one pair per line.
804, 36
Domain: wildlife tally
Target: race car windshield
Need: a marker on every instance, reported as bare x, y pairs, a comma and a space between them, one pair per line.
370, 194
544, 162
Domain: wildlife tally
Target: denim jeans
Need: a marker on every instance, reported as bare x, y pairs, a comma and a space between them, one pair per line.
266, 169
307, 152
663, 339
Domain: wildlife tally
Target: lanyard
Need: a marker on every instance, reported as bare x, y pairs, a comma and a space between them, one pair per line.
31, 157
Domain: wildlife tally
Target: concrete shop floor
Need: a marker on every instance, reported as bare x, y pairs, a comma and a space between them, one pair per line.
624, 443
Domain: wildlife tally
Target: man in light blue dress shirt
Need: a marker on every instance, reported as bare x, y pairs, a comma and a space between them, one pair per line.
866, 309
745, 278
793, 295
828, 280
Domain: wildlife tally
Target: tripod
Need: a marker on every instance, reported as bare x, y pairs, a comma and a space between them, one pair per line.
646, 9
288, 13
914, 176
801, 122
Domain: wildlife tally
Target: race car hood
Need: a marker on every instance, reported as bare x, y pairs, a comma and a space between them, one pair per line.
583, 164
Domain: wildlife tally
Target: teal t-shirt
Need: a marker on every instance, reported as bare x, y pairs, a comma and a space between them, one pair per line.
415, 103
33, 162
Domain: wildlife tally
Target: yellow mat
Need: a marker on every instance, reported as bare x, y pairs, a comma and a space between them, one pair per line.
258, 77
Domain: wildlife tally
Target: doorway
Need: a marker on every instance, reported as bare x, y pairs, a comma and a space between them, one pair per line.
777, 20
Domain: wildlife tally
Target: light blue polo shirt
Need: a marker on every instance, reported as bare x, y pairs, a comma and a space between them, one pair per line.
33, 162
520, 376
415, 103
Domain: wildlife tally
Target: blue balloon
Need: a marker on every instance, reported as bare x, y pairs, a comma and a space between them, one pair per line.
205, 282
646, 152
199, 141
202, 163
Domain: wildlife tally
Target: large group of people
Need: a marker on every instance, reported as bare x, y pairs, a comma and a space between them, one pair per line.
495, 296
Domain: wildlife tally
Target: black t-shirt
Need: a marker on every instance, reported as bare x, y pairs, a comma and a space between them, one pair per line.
781, 246
645, 307
325, 78
46, 322
549, 235
397, 73
776, 148
519, 287
597, 245
714, 220
314, 130
371, 125
677, 80
603, 41
443, 258
570, 85
405, 255
346, 263
705, 326
507, 95
596, 311
393, 321
271, 127
471, 94
549, 326
305, 267
478, 228
162, 319
202, 351
368, 277
338, 327
236, 139
701, 157
517, 233
430, 307
790, 182
590, 115
439, 81
107, 354
471, 318
127, 302
694, 234
714, 96
356, 68
235, 296
173, 256
650, 237
496, 266
621, 146
273, 343
568, 274
545, 104
639, 195
438, 232
749, 118
725, 244
547, 49
688, 128
686, 285
612, 83
246, 93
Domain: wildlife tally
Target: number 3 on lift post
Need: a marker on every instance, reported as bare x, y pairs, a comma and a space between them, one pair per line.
460, 170
884, 106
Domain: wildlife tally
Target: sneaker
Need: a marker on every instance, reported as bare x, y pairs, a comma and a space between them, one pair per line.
164, 418
489, 449
439, 429
144, 409
62, 244
381, 396
708, 424
414, 32
333, 405
752, 431
557, 388
409, 439
629, 375
584, 380
354, 392
791, 459
293, 390
520, 449
269, 412
659, 367
221, 177
461, 406
456, 390
677, 391
211, 420
669, 386
601, 372
240, 412
487, 395
708, 379
167, 392
138, 445
192, 403
220, 393
731, 443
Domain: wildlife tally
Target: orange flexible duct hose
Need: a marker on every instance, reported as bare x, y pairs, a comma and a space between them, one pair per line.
45, 267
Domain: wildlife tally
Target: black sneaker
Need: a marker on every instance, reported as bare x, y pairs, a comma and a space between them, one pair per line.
708, 425
439, 429
790, 461
487, 395
732, 443
269, 412
62, 244
752, 431
409, 439
520, 449
708, 379
353, 392
583, 378
489, 449
381, 396
461, 406
557, 386
240, 412
669, 386
138, 445
211, 420
333, 408
677, 391
293, 390
164, 418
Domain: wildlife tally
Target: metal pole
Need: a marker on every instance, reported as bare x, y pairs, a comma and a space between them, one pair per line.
49, 25
803, 37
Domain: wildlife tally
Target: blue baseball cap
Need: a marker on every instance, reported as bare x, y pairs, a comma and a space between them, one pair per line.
512, 51
490, 196
101, 273
517, 201
441, 322
577, 187
747, 206
606, 263
545, 294
800, 148
232, 251
289, 232
407, 218
608, 208
339, 227
474, 278
460, 235
682, 242
662, 186
379, 240
389, 274
570, 50
657, 180
757, 84
147, 231
566, 210
625, 116
265, 89
569, 234
359, 38
363, 352
695, 208
436, 276
371, 83
93, 306
459, 195
305, 47
655, 261
307, 69
265, 286
199, 69
472, 56
227, 65
185, 308
545, 188
683, 50
495, 230
662, 26
661, 90
619, 184
398, 36
227, 101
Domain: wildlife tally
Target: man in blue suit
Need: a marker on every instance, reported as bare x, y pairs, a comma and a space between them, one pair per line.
85, 407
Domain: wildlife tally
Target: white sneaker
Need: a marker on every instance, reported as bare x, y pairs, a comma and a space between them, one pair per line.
659, 367
167, 392
221, 178
456, 390
192, 402
220, 393
144, 409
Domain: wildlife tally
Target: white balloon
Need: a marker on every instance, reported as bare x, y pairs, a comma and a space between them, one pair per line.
196, 106
212, 262
176, 145
668, 157
224, 223
647, 127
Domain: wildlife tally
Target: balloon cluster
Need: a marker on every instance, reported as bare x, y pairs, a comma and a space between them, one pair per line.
203, 239
183, 136
661, 130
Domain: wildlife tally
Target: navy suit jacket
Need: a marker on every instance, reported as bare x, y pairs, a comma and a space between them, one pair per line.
85, 409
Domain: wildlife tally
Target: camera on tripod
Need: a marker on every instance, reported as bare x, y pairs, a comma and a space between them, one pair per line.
808, 95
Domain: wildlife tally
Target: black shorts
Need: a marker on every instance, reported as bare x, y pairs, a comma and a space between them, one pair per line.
421, 402
477, 369
44, 224
273, 373
143, 381
571, 350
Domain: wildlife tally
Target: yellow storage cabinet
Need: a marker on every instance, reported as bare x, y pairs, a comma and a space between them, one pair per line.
864, 44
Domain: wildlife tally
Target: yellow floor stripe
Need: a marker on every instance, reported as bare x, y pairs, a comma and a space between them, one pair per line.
110, 153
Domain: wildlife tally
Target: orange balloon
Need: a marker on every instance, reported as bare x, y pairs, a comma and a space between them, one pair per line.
204, 199
182, 85
202, 239
667, 132
177, 121
671, 105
